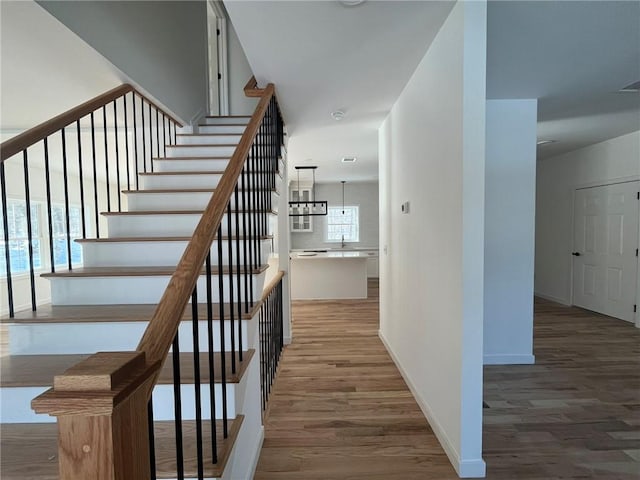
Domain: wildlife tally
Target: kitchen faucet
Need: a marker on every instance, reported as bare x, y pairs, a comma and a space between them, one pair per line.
343, 244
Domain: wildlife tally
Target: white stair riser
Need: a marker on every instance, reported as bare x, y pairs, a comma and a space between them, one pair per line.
232, 129
197, 180
91, 337
200, 151
208, 139
165, 224
226, 120
165, 201
183, 165
15, 403
127, 290
150, 253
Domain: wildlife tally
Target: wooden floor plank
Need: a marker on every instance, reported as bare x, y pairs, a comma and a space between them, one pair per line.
30, 452
39, 370
339, 410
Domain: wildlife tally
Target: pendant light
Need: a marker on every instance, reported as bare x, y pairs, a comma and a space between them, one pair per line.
304, 208
343, 182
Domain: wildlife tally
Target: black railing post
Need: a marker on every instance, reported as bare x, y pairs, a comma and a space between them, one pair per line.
117, 152
7, 246
95, 176
67, 207
47, 176
212, 376
177, 407
27, 196
81, 179
196, 381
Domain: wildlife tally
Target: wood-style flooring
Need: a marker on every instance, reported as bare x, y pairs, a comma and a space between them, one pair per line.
340, 410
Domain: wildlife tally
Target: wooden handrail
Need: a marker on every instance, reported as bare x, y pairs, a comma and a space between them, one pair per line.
162, 328
33, 135
251, 88
271, 285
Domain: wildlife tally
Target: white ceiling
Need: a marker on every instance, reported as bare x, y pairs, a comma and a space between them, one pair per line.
573, 56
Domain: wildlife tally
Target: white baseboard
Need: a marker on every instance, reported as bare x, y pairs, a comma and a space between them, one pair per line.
256, 456
551, 298
509, 359
475, 468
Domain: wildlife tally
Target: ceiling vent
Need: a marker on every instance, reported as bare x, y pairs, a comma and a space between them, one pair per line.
348, 159
634, 87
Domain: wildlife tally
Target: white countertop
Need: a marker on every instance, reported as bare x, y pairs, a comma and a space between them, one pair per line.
329, 254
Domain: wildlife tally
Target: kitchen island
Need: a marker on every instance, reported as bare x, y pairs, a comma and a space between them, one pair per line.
328, 275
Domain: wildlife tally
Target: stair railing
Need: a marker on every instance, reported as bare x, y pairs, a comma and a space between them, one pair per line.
104, 404
56, 179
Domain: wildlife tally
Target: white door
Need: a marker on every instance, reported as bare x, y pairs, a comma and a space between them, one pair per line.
605, 262
212, 60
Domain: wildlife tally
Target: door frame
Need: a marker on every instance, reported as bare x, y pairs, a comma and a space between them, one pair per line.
223, 63
603, 183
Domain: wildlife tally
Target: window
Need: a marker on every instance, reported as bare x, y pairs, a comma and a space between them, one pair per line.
19, 238
60, 235
343, 226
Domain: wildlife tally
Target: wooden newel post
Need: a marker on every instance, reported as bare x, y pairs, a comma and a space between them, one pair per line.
101, 406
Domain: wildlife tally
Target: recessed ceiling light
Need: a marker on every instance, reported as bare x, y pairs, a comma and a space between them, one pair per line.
633, 88
348, 159
337, 115
544, 142
351, 3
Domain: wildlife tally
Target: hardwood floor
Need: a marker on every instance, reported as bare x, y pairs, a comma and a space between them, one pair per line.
576, 412
340, 410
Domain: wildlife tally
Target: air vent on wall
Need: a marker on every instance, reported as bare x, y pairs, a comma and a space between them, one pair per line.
348, 159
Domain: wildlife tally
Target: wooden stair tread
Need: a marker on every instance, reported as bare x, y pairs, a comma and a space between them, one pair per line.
30, 450
210, 134
192, 190
207, 157
109, 313
200, 172
148, 239
39, 370
196, 145
134, 271
177, 212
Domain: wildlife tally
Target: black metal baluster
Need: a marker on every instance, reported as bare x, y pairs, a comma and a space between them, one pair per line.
238, 303
223, 361
115, 126
65, 174
232, 329
196, 375
212, 391
157, 137
106, 156
177, 407
144, 138
95, 176
256, 209
81, 178
47, 176
126, 140
150, 138
5, 224
135, 140
263, 357
27, 196
152, 439
164, 135
246, 244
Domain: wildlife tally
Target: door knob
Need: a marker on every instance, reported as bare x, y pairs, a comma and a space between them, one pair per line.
576, 254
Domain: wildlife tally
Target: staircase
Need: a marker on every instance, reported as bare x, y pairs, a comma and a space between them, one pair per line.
106, 305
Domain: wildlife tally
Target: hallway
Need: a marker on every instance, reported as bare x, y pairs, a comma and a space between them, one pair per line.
340, 409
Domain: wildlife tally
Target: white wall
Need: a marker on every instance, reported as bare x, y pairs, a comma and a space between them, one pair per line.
161, 46
239, 74
432, 154
361, 194
509, 231
558, 177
